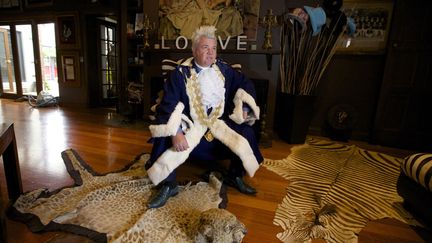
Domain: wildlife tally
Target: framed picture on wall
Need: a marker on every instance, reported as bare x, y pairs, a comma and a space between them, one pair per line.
10, 4
70, 68
372, 21
68, 31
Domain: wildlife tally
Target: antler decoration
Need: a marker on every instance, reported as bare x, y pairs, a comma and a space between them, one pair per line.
268, 21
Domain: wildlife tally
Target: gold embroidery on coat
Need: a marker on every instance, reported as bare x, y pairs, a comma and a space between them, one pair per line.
196, 98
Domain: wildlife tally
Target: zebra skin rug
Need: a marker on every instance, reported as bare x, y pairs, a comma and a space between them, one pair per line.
334, 190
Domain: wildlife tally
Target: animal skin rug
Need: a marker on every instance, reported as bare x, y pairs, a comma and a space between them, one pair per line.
334, 190
112, 208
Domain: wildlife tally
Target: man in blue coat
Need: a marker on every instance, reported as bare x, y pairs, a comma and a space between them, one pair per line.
206, 112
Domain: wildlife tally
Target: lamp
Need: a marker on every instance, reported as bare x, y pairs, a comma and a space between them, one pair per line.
268, 22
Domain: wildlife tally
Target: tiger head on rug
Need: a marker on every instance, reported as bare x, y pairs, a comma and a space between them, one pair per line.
219, 225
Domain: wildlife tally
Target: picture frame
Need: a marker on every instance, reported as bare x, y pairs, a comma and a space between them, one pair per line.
38, 3
373, 21
68, 31
70, 68
10, 5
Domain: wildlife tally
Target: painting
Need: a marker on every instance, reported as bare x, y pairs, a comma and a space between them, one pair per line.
70, 68
231, 17
372, 26
67, 31
9, 4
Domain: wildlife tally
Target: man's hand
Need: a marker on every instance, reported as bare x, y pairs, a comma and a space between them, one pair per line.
179, 142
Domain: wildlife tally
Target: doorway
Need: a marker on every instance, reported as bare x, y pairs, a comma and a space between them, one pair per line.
28, 64
403, 118
8, 85
102, 54
108, 62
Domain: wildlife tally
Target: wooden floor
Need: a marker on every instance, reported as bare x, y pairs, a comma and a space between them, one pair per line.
42, 134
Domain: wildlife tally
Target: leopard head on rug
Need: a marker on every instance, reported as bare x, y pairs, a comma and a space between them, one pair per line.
112, 208
219, 225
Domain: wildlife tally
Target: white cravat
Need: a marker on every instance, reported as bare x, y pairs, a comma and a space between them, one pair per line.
211, 86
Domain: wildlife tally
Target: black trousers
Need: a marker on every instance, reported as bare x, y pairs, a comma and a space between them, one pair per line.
210, 151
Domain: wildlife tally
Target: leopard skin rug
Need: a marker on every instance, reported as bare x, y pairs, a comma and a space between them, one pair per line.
112, 208
334, 190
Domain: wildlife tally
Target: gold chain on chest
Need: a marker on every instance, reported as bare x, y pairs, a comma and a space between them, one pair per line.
196, 97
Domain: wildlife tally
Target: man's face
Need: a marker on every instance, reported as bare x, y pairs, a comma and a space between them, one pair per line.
205, 51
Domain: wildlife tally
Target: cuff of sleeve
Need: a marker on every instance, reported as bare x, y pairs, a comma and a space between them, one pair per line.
241, 100
170, 128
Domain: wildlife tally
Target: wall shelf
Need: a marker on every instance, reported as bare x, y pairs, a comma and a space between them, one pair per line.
269, 54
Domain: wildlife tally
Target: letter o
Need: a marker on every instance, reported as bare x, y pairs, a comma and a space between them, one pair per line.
178, 40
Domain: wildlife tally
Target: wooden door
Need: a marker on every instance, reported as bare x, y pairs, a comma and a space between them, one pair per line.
403, 117
6, 63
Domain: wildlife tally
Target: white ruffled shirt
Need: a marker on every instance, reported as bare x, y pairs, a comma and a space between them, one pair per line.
211, 87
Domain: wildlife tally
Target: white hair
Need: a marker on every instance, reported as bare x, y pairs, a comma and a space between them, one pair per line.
204, 30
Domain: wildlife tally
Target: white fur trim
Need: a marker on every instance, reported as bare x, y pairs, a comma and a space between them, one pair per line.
187, 62
241, 97
171, 127
171, 159
238, 144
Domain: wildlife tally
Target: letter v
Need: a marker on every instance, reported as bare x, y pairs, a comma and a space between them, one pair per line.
223, 45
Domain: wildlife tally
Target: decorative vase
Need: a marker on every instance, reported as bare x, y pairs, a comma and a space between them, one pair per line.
293, 116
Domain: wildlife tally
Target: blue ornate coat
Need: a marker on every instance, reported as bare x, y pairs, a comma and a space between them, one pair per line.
181, 106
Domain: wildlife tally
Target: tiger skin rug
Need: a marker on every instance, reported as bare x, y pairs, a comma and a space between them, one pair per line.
112, 208
334, 190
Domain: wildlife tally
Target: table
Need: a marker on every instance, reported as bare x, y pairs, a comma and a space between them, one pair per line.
8, 150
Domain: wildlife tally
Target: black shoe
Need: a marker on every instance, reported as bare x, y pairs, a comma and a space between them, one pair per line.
162, 196
239, 184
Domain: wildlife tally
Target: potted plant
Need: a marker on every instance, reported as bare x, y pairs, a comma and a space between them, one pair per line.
309, 38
